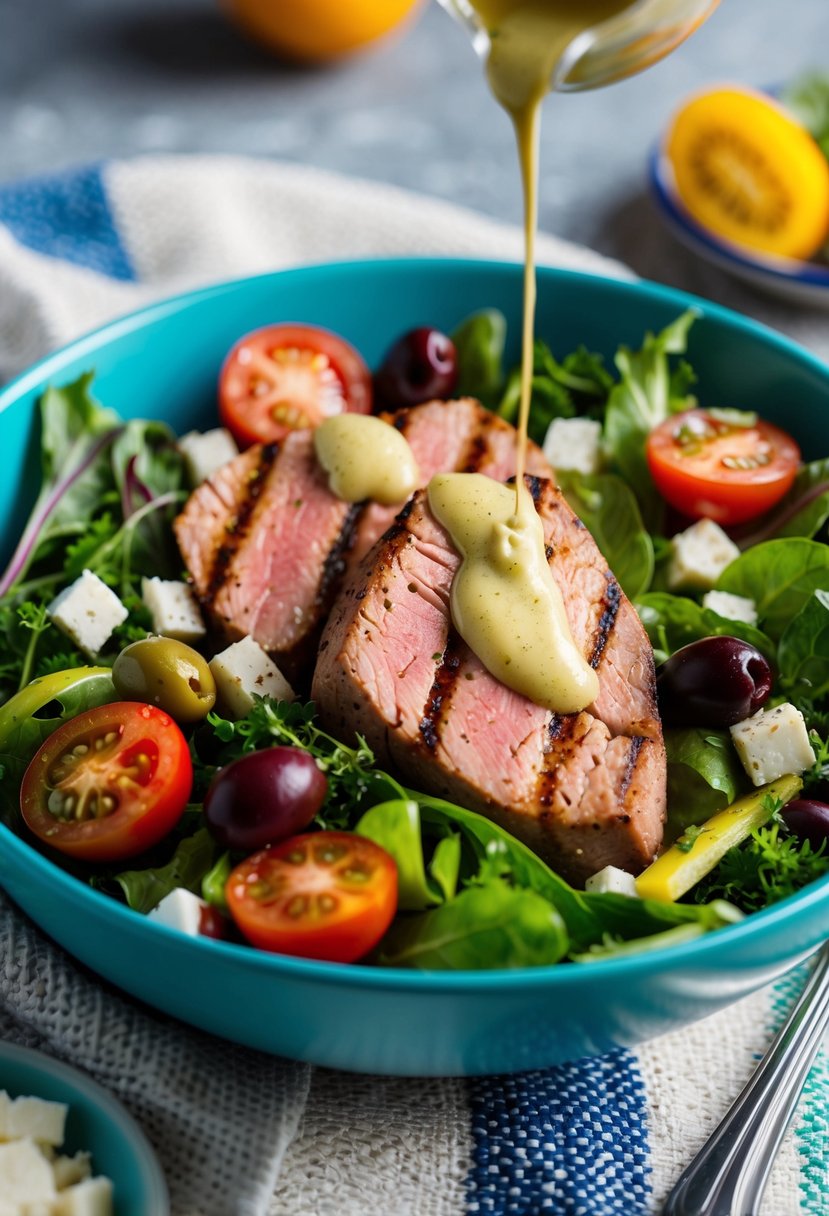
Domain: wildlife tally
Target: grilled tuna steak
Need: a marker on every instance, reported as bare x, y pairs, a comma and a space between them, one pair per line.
583, 790
267, 544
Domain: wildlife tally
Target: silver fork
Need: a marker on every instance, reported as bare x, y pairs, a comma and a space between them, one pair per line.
729, 1174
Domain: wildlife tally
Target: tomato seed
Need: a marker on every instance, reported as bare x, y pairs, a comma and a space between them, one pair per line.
356, 874
326, 903
297, 906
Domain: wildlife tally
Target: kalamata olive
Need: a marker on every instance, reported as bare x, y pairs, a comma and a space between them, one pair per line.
419, 366
808, 820
166, 673
713, 682
263, 797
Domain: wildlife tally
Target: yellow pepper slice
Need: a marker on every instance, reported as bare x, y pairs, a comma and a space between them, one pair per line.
698, 850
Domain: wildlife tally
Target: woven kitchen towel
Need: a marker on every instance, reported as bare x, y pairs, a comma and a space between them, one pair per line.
590, 1139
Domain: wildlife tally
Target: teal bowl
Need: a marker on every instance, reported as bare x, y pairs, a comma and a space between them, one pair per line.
164, 361
96, 1123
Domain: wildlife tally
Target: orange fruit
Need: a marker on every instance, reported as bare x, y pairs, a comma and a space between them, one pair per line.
316, 30
745, 169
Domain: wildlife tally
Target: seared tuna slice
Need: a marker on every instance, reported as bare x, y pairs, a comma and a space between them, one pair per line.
583, 790
267, 544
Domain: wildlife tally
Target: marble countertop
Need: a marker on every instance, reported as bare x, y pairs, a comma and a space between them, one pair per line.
82, 80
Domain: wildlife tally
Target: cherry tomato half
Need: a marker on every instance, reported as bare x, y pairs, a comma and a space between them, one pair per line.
327, 895
286, 377
109, 783
704, 464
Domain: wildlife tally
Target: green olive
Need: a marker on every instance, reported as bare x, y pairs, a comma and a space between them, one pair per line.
166, 673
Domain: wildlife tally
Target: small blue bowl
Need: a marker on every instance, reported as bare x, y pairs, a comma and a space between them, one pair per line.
96, 1124
164, 361
801, 282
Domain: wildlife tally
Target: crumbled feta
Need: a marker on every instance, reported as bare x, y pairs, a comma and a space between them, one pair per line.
69, 1170
25, 1174
574, 443
733, 607
611, 881
181, 910
174, 609
205, 452
34, 1181
772, 743
37, 1119
245, 671
92, 1197
700, 554
88, 611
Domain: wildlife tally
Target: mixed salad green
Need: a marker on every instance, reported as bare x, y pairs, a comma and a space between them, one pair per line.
468, 894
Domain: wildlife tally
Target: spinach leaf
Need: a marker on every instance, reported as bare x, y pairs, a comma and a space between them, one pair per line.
780, 576
483, 928
144, 889
494, 853
608, 508
704, 776
673, 621
645, 396
803, 654
680, 929
479, 348
395, 826
802, 512
76, 435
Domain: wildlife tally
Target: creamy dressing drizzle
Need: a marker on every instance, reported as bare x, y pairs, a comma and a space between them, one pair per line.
505, 602
365, 457
504, 598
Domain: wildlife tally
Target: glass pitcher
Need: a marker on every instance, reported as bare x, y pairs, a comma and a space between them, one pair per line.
618, 47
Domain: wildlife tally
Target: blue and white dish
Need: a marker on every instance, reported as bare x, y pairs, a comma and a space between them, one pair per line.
801, 282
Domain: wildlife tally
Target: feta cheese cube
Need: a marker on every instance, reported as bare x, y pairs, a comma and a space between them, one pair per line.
38, 1120
611, 881
69, 1170
773, 742
174, 609
243, 671
574, 443
25, 1174
205, 452
700, 554
92, 1197
181, 910
733, 607
88, 611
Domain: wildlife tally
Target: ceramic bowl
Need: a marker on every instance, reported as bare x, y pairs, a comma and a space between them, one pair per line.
96, 1123
164, 361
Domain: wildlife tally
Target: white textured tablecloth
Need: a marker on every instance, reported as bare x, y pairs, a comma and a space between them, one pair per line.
240, 1134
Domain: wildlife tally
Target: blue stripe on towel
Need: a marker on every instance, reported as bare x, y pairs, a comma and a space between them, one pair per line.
569, 1141
66, 215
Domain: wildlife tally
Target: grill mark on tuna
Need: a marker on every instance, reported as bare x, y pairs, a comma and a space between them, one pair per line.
557, 745
635, 748
477, 447
535, 485
611, 602
237, 525
440, 693
333, 568
399, 522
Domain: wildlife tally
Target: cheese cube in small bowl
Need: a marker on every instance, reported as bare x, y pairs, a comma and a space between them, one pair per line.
45, 1101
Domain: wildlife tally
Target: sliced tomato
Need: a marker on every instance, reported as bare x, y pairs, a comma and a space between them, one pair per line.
326, 895
721, 465
286, 377
109, 783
